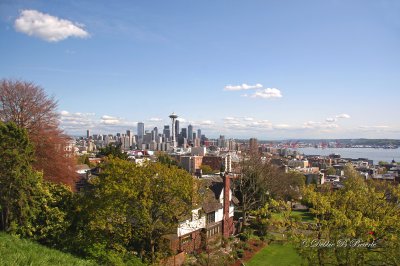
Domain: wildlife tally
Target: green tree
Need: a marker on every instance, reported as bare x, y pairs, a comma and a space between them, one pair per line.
330, 171
130, 207
55, 204
29, 206
206, 169
260, 181
356, 225
250, 186
84, 159
165, 159
18, 181
113, 150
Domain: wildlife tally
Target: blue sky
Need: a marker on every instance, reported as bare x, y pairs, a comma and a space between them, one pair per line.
265, 69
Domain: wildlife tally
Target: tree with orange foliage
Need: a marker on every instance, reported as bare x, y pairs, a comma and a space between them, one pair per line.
28, 106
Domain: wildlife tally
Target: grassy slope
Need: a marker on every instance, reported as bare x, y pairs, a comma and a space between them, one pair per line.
276, 255
305, 216
15, 251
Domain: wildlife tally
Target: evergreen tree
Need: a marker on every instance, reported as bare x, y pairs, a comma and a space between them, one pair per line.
18, 181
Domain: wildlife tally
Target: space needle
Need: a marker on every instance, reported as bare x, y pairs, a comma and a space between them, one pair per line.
173, 117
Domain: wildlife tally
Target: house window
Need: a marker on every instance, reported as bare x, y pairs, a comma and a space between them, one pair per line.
186, 239
210, 217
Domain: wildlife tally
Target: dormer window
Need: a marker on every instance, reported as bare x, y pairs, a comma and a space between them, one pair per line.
211, 217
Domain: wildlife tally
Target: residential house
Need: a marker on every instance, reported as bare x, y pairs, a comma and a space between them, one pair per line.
211, 220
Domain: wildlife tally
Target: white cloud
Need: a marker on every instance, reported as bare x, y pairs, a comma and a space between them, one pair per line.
282, 126
330, 120
373, 127
319, 125
244, 86
108, 117
110, 120
206, 122
343, 116
267, 93
155, 119
248, 119
64, 113
202, 123
47, 27
261, 124
73, 121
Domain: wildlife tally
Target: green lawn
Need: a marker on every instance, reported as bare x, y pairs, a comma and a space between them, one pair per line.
16, 252
276, 255
305, 216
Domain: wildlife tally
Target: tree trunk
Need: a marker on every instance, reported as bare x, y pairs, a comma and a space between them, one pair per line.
153, 255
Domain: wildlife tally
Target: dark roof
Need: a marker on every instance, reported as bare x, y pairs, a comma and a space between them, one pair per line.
82, 167
210, 192
211, 206
217, 189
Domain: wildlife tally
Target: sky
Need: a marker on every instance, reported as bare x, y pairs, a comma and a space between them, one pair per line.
266, 69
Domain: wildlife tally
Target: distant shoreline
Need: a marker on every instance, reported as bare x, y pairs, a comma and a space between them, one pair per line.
375, 154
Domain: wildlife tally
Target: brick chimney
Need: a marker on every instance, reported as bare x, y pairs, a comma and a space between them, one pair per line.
227, 222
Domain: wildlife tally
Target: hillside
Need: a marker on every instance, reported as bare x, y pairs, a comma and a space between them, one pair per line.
15, 251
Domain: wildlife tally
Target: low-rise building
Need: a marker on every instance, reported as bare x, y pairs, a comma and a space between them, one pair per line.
211, 220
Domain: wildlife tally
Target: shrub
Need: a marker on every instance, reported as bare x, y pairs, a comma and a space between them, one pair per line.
246, 246
244, 237
240, 253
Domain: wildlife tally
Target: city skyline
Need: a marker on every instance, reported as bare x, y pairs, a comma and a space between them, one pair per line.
264, 69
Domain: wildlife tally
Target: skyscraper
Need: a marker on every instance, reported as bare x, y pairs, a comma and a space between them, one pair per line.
199, 133
184, 133
129, 137
190, 132
154, 134
166, 131
253, 145
221, 141
140, 132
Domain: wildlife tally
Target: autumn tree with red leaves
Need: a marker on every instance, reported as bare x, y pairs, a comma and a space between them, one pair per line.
28, 106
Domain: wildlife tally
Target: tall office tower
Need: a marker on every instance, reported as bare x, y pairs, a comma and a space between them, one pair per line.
147, 137
173, 117
199, 133
140, 130
154, 134
253, 145
221, 141
231, 144
190, 132
88, 133
176, 129
184, 133
129, 137
140, 134
166, 131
